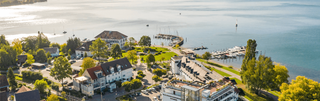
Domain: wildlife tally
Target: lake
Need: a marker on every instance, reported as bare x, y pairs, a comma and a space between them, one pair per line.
287, 31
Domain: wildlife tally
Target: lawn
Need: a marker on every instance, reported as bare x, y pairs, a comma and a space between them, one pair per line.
166, 55
158, 49
223, 67
239, 82
275, 93
218, 71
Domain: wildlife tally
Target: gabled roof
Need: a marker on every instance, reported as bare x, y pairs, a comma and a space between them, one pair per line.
124, 62
51, 49
111, 35
33, 95
92, 70
22, 58
23, 89
3, 96
3, 81
85, 46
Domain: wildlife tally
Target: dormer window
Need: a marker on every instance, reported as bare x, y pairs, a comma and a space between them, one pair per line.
119, 67
112, 70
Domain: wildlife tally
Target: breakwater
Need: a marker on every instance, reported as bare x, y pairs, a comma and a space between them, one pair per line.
176, 40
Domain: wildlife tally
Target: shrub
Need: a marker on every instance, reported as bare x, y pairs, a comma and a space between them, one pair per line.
47, 80
123, 51
31, 75
55, 87
231, 67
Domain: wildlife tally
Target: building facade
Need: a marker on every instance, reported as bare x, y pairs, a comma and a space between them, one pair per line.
54, 51
83, 49
103, 76
113, 37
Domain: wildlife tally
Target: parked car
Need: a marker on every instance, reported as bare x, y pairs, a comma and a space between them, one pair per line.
138, 94
153, 89
64, 82
155, 99
144, 91
158, 97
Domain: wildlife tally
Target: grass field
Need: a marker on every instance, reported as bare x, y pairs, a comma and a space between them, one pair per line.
218, 71
239, 82
223, 67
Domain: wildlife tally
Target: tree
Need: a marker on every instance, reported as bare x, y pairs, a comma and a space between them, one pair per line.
63, 48
29, 43
140, 75
3, 40
250, 54
17, 45
53, 97
69, 51
206, 56
69, 57
281, 75
136, 84
48, 55
30, 59
99, 49
156, 78
4, 62
55, 45
73, 43
61, 69
49, 60
162, 44
116, 51
132, 56
41, 56
41, 85
11, 79
127, 86
126, 44
8, 56
43, 41
87, 63
145, 41
159, 72
150, 59
131, 42
301, 89
85, 54
63, 94
118, 83
162, 58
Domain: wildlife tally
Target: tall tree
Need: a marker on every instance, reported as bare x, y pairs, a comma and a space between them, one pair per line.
132, 42
127, 86
3, 40
126, 44
116, 51
41, 56
85, 54
53, 97
281, 75
73, 43
99, 49
206, 56
17, 45
250, 55
132, 55
29, 43
43, 41
150, 59
301, 89
61, 69
30, 59
63, 48
41, 85
11, 58
12, 79
159, 72
4, 62
136, 84
87, 63
145, 41
54, 44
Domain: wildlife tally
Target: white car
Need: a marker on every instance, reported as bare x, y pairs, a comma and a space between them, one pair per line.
65, 82
155, 99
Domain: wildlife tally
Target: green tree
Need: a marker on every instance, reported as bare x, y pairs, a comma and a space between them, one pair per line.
159, 72
61, 69
116, 51
85, 54
3, 40
301, 89
150, 59
73, 43
145, 41
69, 51
9, 56
139, 77
53, 97
54, 44
136, 84
156, 78
41, 85
63, 48
250, 54
41, 56
118, 83
68, 57
132, 56
4, 62
30, 59
131, 42
17, 46
11, 79
127, 86
29, 43
99, 49
63, 94
281, 75
86, 63
48, 55
206, 56
49, 60
43, 41
126, 44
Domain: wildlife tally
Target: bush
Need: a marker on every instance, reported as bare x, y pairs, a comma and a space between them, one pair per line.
47, 80
231, 67
33, 76
134, 69
25, 65
55, 87
123, 51
19, 85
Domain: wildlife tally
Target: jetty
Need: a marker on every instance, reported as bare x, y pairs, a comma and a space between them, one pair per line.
176, 40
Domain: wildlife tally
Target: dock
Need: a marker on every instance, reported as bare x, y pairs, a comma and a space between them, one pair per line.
176, 40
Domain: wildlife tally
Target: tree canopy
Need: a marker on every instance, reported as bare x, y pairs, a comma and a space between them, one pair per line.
156, 78
87, 63
8, 56
17, 46
54, 44
281, 75
63, 48
301, 89
159, 72
41, 56
99, 48
30, 59
53, 97
116, 51
206, 56
73, 43
41, 85
127, 86
132, 56
132, 85
145, 41
131, 41
11, 79
250, 54
150, 59
3, 40
43, 41
61, 69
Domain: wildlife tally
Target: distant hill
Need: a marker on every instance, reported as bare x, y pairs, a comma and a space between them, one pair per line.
18, 2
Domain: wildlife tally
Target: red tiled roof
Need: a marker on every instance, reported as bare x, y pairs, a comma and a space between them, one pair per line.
91, 71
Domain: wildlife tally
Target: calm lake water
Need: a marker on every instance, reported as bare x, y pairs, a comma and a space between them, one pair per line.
287, 31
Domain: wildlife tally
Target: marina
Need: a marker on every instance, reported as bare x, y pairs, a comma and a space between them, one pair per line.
175, 40
230, 52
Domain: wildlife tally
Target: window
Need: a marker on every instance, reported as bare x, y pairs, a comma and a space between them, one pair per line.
124, 75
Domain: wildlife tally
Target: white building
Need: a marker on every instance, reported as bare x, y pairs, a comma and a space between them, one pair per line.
84, 48
103, 76
54, 51
113, 37
181, 90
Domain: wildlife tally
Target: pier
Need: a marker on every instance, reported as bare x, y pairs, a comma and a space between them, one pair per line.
176, 40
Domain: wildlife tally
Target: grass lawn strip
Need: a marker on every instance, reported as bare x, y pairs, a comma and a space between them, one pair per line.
218, 71
223, 67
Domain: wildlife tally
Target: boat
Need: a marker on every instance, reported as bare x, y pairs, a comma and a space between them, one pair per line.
236, 22
64, 32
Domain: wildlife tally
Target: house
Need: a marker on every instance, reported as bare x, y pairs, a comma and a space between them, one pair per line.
3, 96
103, 76
38, 65
21, 59
54, 51
113, 37
25, 94
4, 85
182, 90
84, 48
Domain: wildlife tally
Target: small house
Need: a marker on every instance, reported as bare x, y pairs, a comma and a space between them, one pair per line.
54, 51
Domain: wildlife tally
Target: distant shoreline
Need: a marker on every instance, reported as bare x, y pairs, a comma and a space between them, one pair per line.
13, 3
